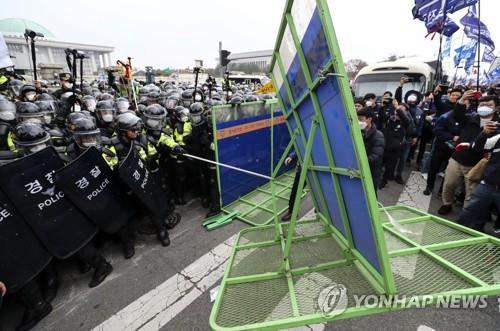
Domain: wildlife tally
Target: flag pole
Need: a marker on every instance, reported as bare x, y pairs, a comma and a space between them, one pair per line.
478, 43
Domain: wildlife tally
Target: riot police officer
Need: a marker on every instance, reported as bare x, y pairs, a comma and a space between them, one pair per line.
208, 152
105, 114
199, 169
160, 144
7, 122
182, 136
27, 93
85, 135
128, 127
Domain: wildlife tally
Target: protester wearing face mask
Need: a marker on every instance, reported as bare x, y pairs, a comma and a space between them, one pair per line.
370, 100
487, 193
66, 83
27, 93
464, 158
374, 144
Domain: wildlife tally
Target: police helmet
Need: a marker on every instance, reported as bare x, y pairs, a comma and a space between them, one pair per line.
122, 105
30, 137
15, 86
236, 100
48, 108
105, 96
196, 108
85, 133
7, 111
28, 112
182, 114
45, 97
154, 117
128, 121
89, 103
153, 97
105, 111
187, 98
251, 98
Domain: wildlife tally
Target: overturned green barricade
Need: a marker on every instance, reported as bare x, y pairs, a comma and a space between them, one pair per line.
285, 275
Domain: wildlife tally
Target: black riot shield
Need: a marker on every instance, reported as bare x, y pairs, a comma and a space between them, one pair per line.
22, 255
145, 184
90, 184
29, 184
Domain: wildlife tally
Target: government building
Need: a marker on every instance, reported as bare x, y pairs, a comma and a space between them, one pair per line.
50, 55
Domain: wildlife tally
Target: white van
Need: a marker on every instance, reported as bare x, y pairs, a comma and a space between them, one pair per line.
384, 76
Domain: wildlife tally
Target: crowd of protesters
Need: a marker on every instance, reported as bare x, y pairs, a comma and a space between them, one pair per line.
452, 133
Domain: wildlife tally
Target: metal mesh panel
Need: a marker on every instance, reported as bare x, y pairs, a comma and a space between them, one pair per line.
393, 243
481, 261
256, 236
399, 214
308, 286
238, 205
305, 229
315, 251
281, 204
256, 261
254, 302
432, 232
257, 197
417, 274
258, 216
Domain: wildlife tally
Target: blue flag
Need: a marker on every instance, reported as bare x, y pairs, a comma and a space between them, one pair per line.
467, 52
494, 75
428, 10
434, 14
488, 56
446, 52
472, 24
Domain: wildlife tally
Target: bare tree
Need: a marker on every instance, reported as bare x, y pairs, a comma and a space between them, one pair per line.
353, 66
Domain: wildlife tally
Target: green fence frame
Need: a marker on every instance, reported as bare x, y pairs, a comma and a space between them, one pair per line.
271, 247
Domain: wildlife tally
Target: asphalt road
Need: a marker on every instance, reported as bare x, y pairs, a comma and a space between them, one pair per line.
169, 288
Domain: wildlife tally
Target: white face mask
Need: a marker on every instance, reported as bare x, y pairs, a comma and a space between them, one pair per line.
89, 144
362, 125
67, 85
369, 103
484, 111
412, 98
184, 119
77, 107
108, 118
31, 96
90, 105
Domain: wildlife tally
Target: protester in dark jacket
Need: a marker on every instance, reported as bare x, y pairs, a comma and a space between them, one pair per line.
444, 106
464, 158
447, 132
395, 134
374, 144
477, 212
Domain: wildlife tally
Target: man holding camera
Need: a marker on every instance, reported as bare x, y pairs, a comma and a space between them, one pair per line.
464, 158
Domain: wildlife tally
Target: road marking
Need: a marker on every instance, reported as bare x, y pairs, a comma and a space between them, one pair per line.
160, 305
424, 328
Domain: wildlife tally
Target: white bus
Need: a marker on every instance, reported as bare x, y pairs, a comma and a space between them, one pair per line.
384, 76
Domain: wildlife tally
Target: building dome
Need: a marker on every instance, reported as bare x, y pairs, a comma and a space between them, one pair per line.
17, 26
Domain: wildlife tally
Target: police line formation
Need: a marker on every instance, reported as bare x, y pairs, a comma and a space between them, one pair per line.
75, 162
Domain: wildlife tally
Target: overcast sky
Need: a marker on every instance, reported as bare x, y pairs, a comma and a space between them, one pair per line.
173, 33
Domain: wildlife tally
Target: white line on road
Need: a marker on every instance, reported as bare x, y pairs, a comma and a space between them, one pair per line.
157, 307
